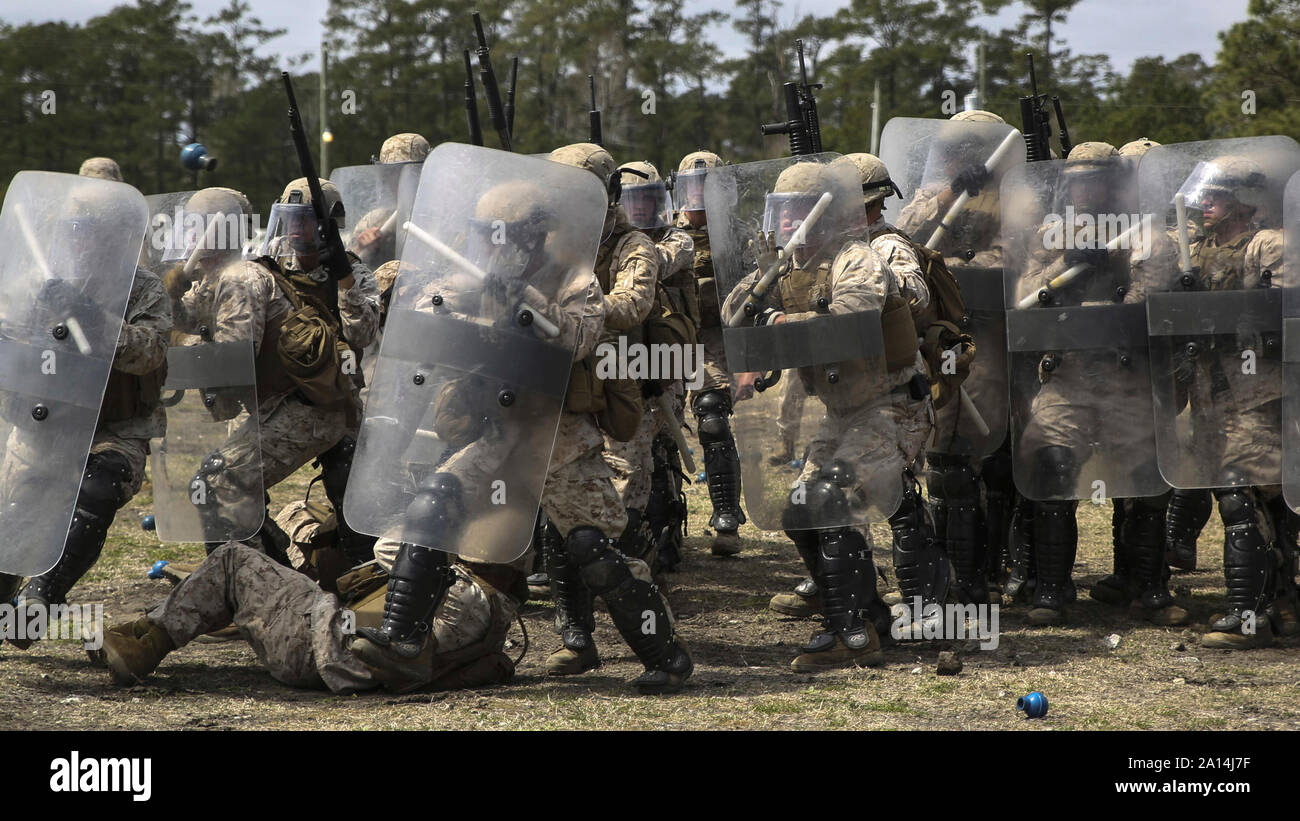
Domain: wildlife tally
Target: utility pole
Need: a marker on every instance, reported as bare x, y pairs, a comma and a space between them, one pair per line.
875, 118
325, 135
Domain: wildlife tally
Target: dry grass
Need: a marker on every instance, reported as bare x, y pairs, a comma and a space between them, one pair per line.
741, 649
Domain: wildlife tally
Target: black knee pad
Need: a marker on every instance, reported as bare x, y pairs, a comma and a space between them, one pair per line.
953, 479
1055, 471
1236, 506
437, 509
824, 501
335, 464
602, 570
711, 410
103, 488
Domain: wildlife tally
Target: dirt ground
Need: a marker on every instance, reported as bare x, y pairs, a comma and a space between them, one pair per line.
1155, 678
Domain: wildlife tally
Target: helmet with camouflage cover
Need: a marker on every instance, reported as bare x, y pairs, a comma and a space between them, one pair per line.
507, 234
876, 184
688, 183
976, 115
1231, 175
101, 168
645, 196
594, 159
1093, 170
217, 217
798, 188
299, 191
406, 147
1137, 148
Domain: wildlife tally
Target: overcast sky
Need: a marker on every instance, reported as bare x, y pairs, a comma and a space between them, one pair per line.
1122, 29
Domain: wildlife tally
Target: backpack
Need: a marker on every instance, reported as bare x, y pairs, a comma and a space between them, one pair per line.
948, 350
310, 346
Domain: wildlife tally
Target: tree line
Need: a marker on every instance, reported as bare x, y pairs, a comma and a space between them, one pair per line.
145, 78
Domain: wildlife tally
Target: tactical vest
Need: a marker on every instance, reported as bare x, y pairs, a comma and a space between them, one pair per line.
710, 313
130, 396
801, 289
304, 348
1223, 267
616, 403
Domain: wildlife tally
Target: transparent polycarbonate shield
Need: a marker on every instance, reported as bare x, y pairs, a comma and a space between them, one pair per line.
71, 248
472, 372
377, 199
948, 173
165, 241
830, 340
1215, 308
1081, 420
1291, 344
207, 469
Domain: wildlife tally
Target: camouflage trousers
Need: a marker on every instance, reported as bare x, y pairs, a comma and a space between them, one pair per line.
291, 433
716, 374
878, 442
632, 461
298, 631
793, 398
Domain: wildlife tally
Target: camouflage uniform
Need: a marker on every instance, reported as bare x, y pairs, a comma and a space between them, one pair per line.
297, 629
712, 401
116, 467
241, 300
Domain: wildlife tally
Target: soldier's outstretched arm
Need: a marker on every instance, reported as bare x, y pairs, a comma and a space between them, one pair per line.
902, 260
359, 307
580, 316
633, 279
676, 252
142, 344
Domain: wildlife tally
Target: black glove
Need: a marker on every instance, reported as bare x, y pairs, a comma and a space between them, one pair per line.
1095, 257
506, 291
61, 300
971, 180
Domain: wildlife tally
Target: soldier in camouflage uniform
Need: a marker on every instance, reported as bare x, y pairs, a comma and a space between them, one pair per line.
578, 498
1079, 389
1237, 250
131, 414
648, 467
912, 535
971, 499
370, 242
711, 402
233, 299
873, 431
301, 633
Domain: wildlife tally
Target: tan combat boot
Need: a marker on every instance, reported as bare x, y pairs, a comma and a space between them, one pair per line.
132, 651
804, 601
829, 651
570, 662
1235, 639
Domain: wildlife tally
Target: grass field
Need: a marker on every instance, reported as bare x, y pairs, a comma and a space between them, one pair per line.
1155, 678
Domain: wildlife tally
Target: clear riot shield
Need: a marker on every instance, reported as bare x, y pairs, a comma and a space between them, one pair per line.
207, 469
475, 362
377, 199
948, 174
1214, 308
72, 244
210, 397
167, 235
1291, 344
831, 339
1081, 427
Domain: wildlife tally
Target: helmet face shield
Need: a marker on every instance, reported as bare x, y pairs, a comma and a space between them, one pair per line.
688, 190
648, 205
291, 230
506, 249
784, 213
1208, 183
